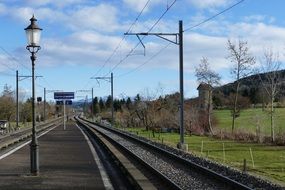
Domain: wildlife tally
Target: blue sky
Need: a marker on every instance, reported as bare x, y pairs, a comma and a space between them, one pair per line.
80, 35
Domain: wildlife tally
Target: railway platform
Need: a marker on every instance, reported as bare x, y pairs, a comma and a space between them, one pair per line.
66, 162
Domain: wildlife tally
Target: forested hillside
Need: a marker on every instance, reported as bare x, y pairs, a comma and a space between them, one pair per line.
252, 90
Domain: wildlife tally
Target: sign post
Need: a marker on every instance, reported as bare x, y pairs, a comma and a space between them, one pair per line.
65, 99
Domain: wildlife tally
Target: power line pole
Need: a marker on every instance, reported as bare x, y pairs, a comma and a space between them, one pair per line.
181, 79
19, 78
64, 126
178, 41
86, 101
17, 99
112, 99
111, 80
92, 107
44, 105
86, 104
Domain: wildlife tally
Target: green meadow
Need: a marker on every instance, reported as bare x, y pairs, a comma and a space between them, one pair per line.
250, 119
263, 160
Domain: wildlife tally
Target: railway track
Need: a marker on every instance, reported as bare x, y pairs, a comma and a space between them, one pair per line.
16, 137
175, 168
124, 171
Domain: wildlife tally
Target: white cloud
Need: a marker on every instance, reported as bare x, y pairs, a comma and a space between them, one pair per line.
138, 5
101, 18
25, 13
260, 35
6, 63
81, 48
2, 9
22, 13
88, 41
214, 47
209, 4
259, 18
51, 15
59, 4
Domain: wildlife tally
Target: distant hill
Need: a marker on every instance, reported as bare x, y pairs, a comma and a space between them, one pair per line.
251, 88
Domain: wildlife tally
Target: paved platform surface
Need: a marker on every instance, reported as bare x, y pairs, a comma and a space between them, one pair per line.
66, 162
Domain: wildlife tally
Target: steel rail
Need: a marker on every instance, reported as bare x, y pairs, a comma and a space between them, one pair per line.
157, 173
18, 136
224, 179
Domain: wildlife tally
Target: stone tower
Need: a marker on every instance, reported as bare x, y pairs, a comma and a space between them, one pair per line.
205, 90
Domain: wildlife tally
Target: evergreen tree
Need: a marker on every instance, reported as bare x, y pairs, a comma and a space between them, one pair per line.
96, 106
129, 103
101, 104
108, 102
123, 101
137, 98
117, 105
26, 112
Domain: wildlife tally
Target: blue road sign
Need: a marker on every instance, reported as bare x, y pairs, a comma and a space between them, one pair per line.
67, 102
59, 102
64, 95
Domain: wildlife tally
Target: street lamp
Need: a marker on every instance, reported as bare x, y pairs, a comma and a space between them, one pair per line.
33, 32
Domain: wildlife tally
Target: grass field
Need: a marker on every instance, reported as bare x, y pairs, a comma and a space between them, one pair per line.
250, 118
264, 160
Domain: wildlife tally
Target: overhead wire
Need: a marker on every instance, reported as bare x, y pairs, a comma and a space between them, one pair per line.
147, 61
119, 44
161, 50
2, 73
151, 28
214, 16
49, 85
9, 67
196, 25
123, 38
14, 58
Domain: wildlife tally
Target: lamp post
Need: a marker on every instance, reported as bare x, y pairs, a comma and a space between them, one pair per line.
33, 32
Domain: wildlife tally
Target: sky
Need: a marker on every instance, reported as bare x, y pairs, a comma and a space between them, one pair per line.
82, 39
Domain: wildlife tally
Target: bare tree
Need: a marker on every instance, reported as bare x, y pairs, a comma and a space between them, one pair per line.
145, 110
26, 112
270, 66
7, 104
243, 61
205, 75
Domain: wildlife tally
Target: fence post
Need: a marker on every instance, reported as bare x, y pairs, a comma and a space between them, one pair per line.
224, 152
202, 146
251, 155
244, 165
